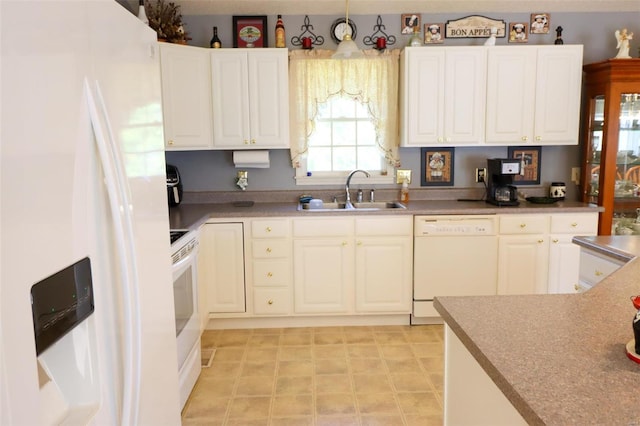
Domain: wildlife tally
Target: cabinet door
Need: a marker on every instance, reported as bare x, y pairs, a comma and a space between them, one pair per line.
510, 94
558, 88
186, 97
269, 98
323, 271
522, 264
423, 95
221, 267
564, 265
464, 96
230, 94
383, 274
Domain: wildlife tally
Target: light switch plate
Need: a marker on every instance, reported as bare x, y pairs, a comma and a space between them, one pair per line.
575, 174
401, 175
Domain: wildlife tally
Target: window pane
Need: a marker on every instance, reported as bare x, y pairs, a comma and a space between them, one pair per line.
321, 135
369, 158
324, 109
343, 108
319, 159
344, 133
366, 133
362, 110
344, 158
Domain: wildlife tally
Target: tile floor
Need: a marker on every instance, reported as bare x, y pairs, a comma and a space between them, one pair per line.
382, 375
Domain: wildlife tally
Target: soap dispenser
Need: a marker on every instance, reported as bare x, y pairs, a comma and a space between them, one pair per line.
404, 192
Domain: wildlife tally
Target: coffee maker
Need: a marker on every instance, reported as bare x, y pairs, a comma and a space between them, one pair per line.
500, 189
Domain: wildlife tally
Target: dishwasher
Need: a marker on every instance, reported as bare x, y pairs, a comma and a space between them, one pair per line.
453, 256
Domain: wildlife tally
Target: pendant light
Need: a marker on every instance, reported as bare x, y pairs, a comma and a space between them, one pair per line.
347, 49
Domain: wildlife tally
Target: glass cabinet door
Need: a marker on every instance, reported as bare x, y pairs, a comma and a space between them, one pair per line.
596, 125
626, 214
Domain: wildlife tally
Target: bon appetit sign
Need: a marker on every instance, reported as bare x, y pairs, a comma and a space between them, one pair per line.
474, 26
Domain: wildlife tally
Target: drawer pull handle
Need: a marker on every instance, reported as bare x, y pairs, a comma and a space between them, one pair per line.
268, 249
269, 274
268, 229
598, 273
523, 225
270, 301
576, 287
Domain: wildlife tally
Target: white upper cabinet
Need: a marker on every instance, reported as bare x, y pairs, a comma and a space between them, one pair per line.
250, 96
533, 95
443, 95
186, 97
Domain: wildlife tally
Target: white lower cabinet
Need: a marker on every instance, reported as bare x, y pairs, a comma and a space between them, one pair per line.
594, 267
221, 267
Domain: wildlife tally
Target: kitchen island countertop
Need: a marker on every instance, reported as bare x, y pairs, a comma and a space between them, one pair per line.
559, 359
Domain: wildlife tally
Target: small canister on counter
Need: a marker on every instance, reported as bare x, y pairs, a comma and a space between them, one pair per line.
557, 190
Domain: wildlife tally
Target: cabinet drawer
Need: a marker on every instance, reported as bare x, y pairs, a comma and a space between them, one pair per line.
271, 301
323, 227
594, 269
269, 249
392, 226
270, 228
523, 224
271, 272
575, 223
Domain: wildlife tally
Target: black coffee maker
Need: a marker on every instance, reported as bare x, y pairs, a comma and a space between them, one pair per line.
500, 189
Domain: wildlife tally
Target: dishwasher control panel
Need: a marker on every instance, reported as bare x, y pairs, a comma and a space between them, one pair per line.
455, 225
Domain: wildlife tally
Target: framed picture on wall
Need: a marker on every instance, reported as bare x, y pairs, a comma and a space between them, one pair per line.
540, 23
436, 165
518, 32
409, 22
250, 31
433, 33
529, 157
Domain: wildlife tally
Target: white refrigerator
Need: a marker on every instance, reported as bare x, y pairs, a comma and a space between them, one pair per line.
83, 177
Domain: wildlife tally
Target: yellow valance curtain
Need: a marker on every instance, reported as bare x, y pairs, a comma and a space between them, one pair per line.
373, 80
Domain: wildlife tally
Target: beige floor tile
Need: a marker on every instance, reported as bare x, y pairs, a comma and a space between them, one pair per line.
296, 339
213, 386
331, 366
407, 365
264, 340
372, 383
288, 353
292, 421
381, 420
203, 421
396, 351
329, 351
267, 331
366, 366
390, 338
245, 407
292, 405
258, 368
229, 354
330, 329
411, 382
328, 338
333, 383
247, 422
294, 385
363, 351
432, 364
336, 403
424, 419
419, 403
297, 330
203, 406
372, 403
255, 386
337, 420
359, 337
208, 338
262, 354
227, 340
437, 380
428, 350
222, 369
295, 368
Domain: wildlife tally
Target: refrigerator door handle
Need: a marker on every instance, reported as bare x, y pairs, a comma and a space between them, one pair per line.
119, 201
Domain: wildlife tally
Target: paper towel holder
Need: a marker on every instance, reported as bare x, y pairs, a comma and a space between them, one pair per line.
258, 159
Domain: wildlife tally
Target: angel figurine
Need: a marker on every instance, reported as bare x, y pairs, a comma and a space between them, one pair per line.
623, 43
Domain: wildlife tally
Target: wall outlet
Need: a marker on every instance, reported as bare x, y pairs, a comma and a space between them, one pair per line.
575, 175
480, 174
401, 175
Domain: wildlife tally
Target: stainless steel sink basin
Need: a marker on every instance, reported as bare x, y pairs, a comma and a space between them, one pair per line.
364, 206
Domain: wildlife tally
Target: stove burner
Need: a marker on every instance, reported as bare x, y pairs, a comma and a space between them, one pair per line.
175, 235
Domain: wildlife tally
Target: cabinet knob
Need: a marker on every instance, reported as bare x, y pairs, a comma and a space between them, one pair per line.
523, 225
555, 240
268, 249
598, 273
540, 241
359, 243
448, 139
270, 301
344, 243
524, 138
538, 138
573, 225
246, 142
268, 229
440, 140
269, 274
253, 141
576, 287
170, 141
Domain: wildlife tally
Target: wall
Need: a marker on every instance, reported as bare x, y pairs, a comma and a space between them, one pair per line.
214, 170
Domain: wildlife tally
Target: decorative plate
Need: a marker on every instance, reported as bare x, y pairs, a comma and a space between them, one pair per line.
542, 200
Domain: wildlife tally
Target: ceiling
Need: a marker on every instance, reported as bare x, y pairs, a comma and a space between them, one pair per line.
376, 7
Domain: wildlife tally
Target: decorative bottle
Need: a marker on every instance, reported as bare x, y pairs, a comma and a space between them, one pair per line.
142, 14
415, 39
215, 42
280, 34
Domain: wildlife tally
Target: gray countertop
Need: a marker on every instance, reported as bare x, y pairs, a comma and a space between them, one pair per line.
560, 359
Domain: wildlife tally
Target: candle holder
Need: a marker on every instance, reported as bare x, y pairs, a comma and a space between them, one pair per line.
307, 39
379, 39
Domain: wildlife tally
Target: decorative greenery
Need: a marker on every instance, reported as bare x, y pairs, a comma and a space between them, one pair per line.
165, 18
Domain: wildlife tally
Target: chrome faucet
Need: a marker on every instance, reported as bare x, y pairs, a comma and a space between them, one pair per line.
348, 204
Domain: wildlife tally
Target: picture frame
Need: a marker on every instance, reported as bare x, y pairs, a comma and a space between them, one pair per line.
529, 157
433, 33
250, 31
408, 21
540, 23
518, 32
437, 165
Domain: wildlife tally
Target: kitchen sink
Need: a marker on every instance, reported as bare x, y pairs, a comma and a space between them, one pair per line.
364, 206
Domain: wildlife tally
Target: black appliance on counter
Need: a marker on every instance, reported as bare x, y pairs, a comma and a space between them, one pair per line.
500, 188
174, 185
